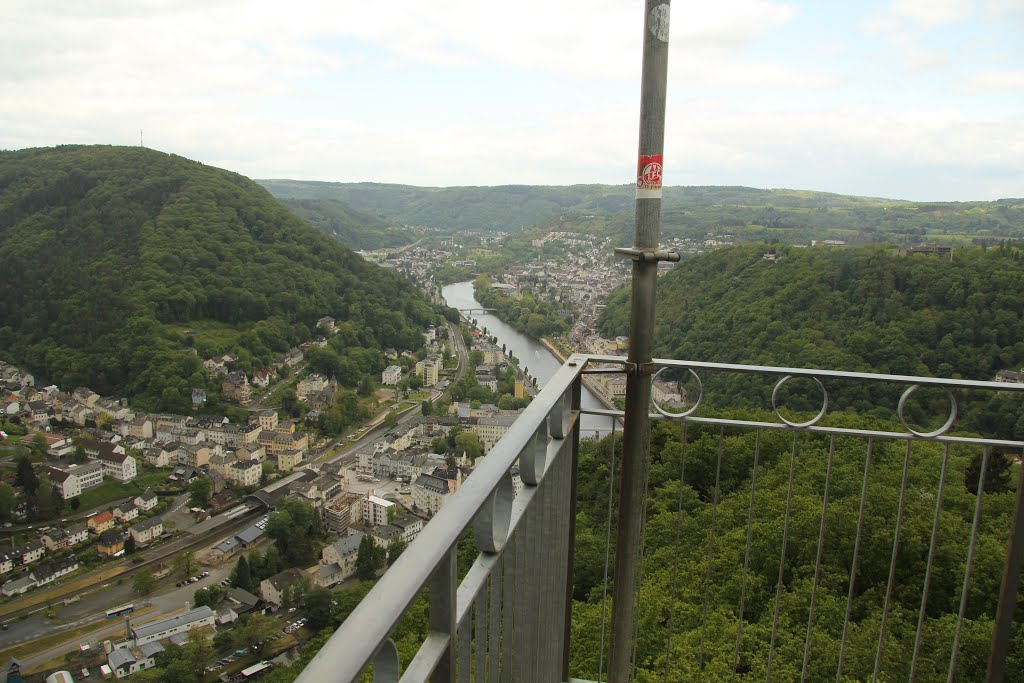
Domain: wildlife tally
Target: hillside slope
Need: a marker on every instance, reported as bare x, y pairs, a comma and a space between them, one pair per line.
857, 309
354, 228
112, 254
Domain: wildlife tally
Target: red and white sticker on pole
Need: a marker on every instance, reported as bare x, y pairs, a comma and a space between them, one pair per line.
648, 177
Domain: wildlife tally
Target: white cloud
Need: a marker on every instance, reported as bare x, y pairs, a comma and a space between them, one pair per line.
1006, 79
267, 89
932, 12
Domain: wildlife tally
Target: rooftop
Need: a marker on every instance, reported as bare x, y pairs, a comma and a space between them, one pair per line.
169, 623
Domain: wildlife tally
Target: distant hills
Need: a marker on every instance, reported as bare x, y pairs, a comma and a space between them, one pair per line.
354, 228
117, 261
749, 213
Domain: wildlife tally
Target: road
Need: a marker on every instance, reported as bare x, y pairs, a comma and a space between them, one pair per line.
173, 600
163, 552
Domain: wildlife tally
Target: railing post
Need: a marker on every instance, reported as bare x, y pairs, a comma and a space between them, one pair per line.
442, 615
1008, 590
637, 428
571, 550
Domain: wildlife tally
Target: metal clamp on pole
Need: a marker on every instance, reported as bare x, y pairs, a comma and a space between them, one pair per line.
646, 256
639, 369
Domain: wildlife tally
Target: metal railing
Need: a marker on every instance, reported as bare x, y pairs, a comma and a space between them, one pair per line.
509, 619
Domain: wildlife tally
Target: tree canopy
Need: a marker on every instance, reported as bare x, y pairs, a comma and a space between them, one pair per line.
172, 262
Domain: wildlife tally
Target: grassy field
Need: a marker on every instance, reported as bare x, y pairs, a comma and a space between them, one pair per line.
111, 489
210, 332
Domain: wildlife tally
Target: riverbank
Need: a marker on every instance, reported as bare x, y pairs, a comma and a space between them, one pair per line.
591, 384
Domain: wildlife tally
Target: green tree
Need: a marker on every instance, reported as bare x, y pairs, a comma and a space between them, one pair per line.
26, 476
144, 583
318, 607
415, 382
391, 420
200, 490
439, 445
293, 527
38, 445
78, 455
7, 500
369, 560
46, 503
254, 631
469, 443
184, 564
241, 577
427, 408
395, 548
294, 593
129, 545
209, 596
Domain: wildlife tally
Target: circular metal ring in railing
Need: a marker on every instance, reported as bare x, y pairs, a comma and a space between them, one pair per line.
813, 420
385, 663
490, 528
560, 416
938, 432
533, 457
685, 413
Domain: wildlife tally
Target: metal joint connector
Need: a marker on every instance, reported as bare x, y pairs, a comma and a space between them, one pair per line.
646, 256
640, 369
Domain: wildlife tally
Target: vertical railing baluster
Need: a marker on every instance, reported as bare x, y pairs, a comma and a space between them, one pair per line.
817, 561
746, 554
711, 552
508, 603
964, 593
782, 555
856, 558
928, 568
494, 627
1008, 590
465, 636
442, 614
607, 555
675, 559
480, 634
892, 563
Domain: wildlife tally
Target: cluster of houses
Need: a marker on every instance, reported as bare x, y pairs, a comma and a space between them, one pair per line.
108, 530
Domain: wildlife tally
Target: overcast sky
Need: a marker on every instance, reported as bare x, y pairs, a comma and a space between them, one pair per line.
912, 99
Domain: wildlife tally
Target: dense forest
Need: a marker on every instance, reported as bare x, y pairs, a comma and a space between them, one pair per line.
747, 213
124, 267
354, 228
855, 309
695, 595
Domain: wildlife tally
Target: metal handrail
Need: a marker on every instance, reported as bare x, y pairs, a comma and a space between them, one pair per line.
347, 653
367, 630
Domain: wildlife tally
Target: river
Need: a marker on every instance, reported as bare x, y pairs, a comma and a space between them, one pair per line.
531, 354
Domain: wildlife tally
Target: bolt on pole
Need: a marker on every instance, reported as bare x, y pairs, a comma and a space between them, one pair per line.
637, 428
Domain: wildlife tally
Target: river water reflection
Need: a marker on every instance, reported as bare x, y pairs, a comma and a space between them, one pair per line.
531, 354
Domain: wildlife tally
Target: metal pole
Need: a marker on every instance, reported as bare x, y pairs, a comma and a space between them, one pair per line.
1008, 590
637, 430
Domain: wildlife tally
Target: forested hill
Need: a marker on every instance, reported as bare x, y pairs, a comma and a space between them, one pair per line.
354, 228
860, 309
112, 254
793, 216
